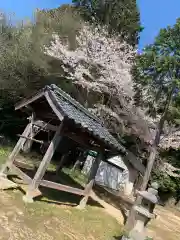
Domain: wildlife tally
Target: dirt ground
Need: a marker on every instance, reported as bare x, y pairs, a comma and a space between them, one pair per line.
43, 220
53, 221
54, 216
166, 226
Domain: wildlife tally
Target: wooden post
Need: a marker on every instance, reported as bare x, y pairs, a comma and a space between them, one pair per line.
15, 151
43, 165
60, 165
132, 213
152, 157
28, 143
91, 180
75, 165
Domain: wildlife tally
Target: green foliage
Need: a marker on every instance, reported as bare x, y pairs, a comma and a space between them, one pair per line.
11, 122
157, 81
166, 183
65, 21
171, 156
24, 68
170, 184
156, 74
17, 62
119, 15
76, 175
20, 71
4, 153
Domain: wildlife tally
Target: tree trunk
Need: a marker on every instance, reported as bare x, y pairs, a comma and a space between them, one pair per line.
152, 157
154, 147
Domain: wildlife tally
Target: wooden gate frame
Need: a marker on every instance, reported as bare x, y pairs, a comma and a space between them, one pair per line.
37, 180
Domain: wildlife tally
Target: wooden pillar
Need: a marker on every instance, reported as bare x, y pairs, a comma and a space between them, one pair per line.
77, 163
91, 181
43, 165
15, 151
60, 165
28, 143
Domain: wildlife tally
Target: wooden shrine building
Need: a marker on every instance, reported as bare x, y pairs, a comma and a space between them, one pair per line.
54, 110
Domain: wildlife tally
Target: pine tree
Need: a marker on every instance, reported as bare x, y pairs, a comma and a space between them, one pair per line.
121, 16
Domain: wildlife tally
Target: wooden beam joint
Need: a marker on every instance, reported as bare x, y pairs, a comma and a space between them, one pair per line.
32, 139
62, 187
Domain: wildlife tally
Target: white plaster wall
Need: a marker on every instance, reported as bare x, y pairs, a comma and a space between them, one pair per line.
113, 177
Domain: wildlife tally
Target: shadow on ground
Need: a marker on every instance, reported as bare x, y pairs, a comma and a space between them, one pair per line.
61, 197
54, 196
115, 199
117, 238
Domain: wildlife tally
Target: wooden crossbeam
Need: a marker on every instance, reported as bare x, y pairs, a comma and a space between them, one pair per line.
32, 139
82, 142
23, 165
44, 164
15, 151
21, 174
62, 187
45, 126
74, 137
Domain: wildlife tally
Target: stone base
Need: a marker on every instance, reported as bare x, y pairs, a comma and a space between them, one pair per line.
79, 207
6, 183
82, 203
126, 238
30, 195
135, 235
27, 199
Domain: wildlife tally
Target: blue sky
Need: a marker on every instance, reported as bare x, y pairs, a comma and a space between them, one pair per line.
155, 14
25, 8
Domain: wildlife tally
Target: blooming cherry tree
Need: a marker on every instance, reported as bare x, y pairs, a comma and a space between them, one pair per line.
100, 64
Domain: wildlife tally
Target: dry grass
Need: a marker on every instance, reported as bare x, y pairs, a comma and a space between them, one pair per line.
47, 219
166, 226
52, 217
41, 220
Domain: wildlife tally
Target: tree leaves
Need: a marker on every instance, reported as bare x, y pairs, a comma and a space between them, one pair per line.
120, 16
157, 69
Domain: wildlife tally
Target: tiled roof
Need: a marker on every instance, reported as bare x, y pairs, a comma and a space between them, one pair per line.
73, 110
